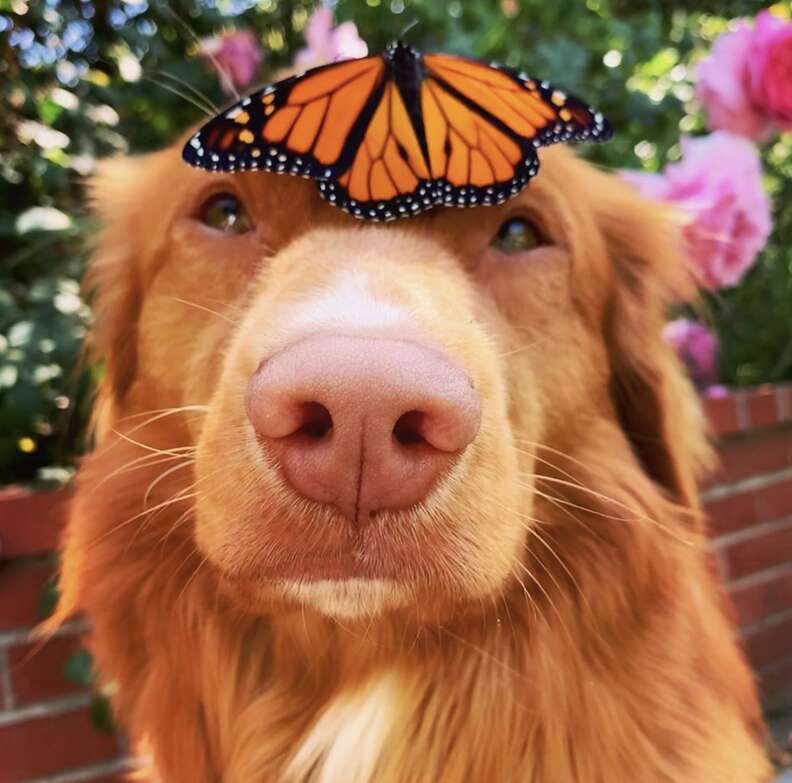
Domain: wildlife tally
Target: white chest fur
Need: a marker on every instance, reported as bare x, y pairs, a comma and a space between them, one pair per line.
345, 742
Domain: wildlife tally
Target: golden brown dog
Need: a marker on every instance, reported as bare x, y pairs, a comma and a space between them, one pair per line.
400, 504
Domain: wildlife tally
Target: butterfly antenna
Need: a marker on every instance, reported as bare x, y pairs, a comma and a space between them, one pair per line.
222, 70
196, 92
408, 27
184, 96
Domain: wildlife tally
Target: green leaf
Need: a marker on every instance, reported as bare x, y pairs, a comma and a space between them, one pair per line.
660, 64
49, 111
48, 599
79, 669
102, 714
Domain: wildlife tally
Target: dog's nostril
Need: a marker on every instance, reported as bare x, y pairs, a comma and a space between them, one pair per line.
407, 429
316, 421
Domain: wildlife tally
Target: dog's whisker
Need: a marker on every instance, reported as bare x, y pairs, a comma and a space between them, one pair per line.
182, 518
573, 480
191, 510
147, 447
579, 486
487, 655
539, 446
184, 96
221, 69
152, 513
527, 571
533, 530
155, 413
192, 576
558, 500
162, 476
521, 348
180, 496
531, 601
639, 517
140, 463
562, 507
536, 456
210, 107
204, 308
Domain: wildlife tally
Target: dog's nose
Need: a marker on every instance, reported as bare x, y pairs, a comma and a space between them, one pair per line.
364, 424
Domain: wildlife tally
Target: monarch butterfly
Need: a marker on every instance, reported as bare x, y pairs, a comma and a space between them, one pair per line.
395, 134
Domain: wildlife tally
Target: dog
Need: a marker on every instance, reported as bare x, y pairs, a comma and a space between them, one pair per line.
405, 503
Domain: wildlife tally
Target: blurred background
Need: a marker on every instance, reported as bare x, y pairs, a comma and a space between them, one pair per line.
700, 95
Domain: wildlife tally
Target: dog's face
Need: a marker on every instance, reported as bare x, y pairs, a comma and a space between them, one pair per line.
375, 395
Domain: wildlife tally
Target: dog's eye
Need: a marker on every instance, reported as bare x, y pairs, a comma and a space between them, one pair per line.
225, 212
516, 235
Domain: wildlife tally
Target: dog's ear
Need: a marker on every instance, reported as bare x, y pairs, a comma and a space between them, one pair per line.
656, 404
117, 196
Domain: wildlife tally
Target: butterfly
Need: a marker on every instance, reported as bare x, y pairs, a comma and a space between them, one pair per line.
395, 134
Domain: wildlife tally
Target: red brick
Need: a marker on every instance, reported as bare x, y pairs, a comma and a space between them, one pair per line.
770, 644
731, 513
762, 407
43, 746
37, 671
30, 522
775, 685
760, 598
722, 415
741, 459
774, 501
21, 586
784, 396
4, 695
762, 551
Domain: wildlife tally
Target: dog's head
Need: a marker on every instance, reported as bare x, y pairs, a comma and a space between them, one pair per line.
378, 402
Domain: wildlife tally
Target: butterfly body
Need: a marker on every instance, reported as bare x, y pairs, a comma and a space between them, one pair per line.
404, 62
395, 134
406, 70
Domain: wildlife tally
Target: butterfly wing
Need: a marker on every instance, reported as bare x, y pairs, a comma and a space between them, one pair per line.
484, 123
309, 124
388, 176
475, 160
531, 110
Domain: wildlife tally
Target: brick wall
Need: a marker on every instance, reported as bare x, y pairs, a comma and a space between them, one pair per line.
46, 730
750, 505
46, 733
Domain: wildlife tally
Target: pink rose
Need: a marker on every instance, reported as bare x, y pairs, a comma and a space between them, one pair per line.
770, 68
716, 392
745, 84
718, 188
236, 57
326, 43
697, 347
722, 86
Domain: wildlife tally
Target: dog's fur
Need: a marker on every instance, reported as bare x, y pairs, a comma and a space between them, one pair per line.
553, 616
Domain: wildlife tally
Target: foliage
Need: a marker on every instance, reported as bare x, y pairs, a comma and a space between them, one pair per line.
82, 79
48, 599
79, 669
